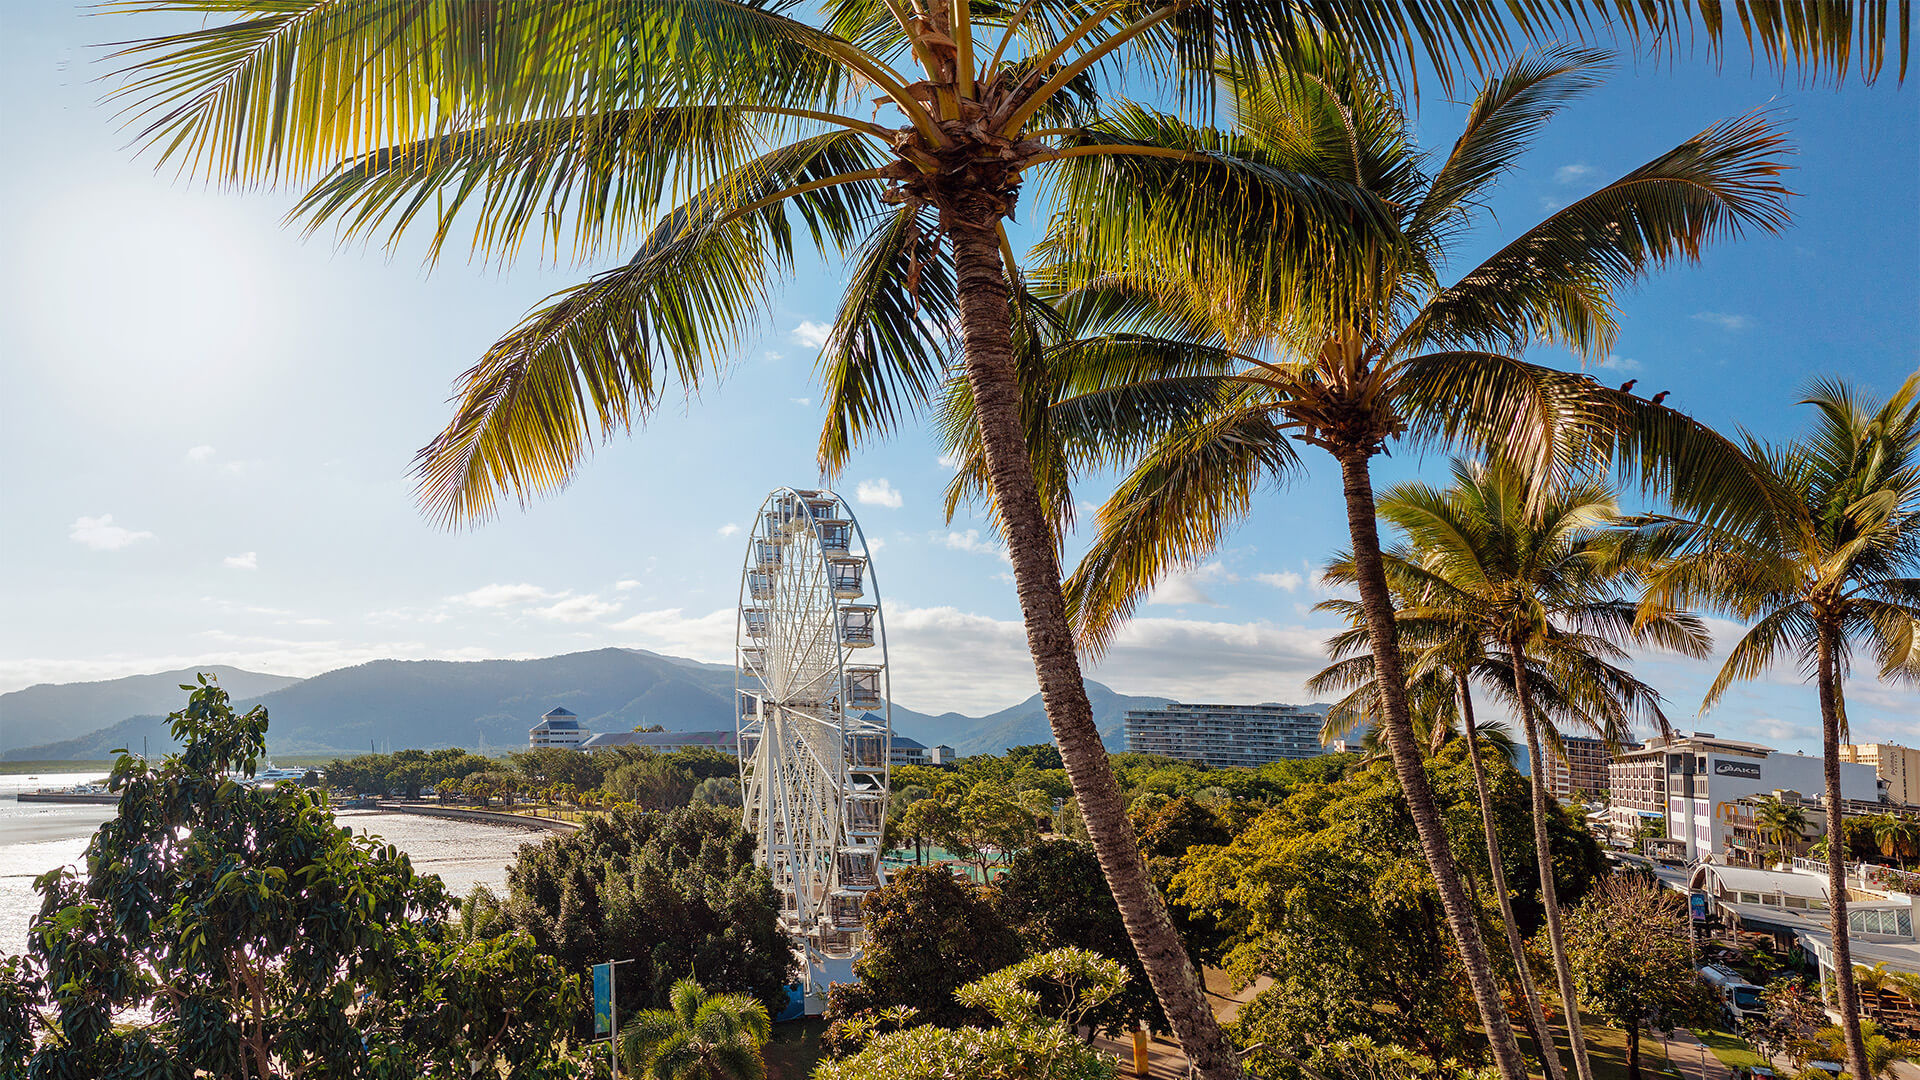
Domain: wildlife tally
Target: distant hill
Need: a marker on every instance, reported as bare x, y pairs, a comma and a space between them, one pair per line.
489, 704
74, 709
1027, 722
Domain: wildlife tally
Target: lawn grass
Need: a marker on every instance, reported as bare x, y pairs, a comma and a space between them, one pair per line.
35, 768
1606, 1049
1730, 1049
794, 1049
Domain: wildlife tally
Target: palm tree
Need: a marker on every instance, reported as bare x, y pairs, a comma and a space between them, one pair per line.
701, 1037
1539, 576
1200, 363
540, 118
1873, 982
1877, 1052
1783, 824
1898, 837
1819, 551
1443, 656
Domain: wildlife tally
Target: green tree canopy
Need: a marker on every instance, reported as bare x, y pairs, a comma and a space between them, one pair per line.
676, 890
265, 941
928, 934
1633, 960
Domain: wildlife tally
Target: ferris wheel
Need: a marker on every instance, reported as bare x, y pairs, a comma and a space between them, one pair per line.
814, 722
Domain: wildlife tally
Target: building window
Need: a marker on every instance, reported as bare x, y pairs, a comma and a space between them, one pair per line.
1749, 898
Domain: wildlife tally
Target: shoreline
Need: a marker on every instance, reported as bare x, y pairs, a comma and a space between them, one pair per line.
485, 817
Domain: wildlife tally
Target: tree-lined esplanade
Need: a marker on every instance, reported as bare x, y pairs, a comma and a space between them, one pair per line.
1249, 272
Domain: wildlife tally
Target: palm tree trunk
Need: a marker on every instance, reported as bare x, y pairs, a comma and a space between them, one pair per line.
986, 331
1543, 853
1537, 1017
1375, 600
1843, 985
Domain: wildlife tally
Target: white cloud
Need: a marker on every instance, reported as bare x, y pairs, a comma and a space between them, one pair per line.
812, 334
1187, 587
1568, 174
728, 529
878, 493
626, 584
950, 461
1723, 320
804, 402
246, 560
200, 455
971, 543
101, 534
279, 656
874, 544
578, 609
672, 632
1619, 363
498, 596
1285, 579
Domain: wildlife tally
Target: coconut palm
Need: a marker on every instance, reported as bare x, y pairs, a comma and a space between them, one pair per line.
1443, 657
1897, 837
1877, 1052
1195, 359
708, 128
1540, 577
1782, 824
1821, 555
701, 1037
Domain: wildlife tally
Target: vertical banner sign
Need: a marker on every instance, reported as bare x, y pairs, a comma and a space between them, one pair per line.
602, 1000
1698, 902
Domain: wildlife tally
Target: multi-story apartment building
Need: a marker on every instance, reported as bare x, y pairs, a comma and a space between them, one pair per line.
1898, 766
1695, 783
1585, 769
1223, 735
665, 742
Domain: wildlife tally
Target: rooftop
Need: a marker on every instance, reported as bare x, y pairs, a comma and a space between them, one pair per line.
659, 738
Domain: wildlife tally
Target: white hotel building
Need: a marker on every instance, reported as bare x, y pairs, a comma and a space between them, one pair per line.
1693, 782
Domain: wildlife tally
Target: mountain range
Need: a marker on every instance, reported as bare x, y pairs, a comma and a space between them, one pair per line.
484, 705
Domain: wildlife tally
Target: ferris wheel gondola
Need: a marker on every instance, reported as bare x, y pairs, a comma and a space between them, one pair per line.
814, 722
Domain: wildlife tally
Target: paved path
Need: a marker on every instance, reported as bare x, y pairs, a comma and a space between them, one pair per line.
1693, 1059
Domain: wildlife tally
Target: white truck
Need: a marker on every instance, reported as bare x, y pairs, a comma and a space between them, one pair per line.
1739, 999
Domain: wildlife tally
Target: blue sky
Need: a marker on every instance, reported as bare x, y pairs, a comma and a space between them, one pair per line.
208, 421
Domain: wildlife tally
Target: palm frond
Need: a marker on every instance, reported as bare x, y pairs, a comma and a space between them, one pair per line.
1555, 281
596, 358
890, 344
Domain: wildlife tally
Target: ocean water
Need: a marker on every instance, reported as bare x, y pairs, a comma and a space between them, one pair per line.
37, 837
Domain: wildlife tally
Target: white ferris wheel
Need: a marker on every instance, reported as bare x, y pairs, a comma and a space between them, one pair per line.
814, 722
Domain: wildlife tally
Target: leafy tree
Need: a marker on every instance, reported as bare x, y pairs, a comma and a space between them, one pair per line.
717, 791
1168, 832
1054, 896
1633, 960
927, 934
1036, 755
1816, 544
1037, 1002
677, 891
265, 941
1792, 1016
654, 782
20, 1023
1328, 894
558, 765
701, 1036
